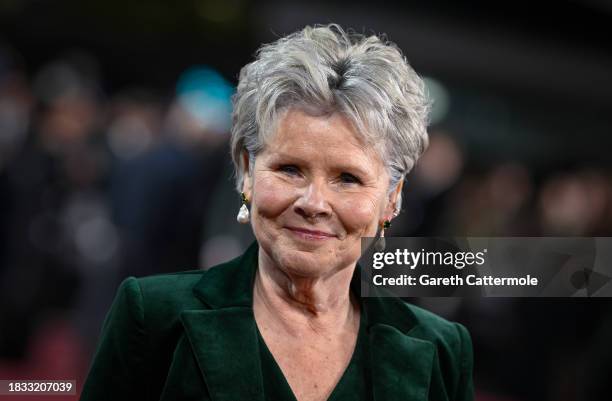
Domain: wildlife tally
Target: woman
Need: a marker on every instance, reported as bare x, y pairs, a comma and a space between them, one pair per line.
326, 125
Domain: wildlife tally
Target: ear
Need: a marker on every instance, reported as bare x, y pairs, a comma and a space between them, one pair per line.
389, 213
247, 182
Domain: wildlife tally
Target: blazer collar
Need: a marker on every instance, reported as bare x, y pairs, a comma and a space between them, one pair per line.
231, 285
224, 337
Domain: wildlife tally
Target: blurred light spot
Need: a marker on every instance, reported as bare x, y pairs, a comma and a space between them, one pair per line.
129, 136
441, 100
573, 204
96, 239
94, 236
206, 96
440, 166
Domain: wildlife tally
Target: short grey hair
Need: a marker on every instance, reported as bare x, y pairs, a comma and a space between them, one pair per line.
324, 69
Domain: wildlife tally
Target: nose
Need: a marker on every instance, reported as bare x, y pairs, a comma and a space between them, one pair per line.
313, 202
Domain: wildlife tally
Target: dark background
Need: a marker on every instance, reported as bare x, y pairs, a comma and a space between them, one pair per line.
109, 167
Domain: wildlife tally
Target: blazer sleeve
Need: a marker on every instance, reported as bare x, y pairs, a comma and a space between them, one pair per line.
118, 368
465, 389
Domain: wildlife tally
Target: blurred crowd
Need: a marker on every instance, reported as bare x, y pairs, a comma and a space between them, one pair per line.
97, 185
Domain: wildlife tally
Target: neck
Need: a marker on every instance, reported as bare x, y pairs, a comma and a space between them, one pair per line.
297, 303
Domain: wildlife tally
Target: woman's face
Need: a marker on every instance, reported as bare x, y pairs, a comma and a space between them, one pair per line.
315, 190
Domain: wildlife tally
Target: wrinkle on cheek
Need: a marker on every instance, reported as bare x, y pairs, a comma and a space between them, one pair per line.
271, 196
363, 208
364, 214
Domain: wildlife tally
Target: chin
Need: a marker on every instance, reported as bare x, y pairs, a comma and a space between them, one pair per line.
303, 262
320, 261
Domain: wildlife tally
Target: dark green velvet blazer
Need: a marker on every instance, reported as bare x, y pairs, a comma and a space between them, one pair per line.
193, 336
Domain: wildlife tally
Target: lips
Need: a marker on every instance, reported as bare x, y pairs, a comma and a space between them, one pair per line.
310, 233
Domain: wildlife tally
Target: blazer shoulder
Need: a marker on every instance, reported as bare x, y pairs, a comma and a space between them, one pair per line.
139, 335
454, 348
162, 297
160, 284
169, 285
432, 326
450, 338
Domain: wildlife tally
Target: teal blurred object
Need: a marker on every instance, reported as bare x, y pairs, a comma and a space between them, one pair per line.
206, 95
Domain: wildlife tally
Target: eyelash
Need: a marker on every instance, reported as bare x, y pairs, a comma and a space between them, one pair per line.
351, 177
289, 169
293, 170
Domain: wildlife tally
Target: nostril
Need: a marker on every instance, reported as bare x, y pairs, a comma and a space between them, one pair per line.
312, 202
302, 212
311, 215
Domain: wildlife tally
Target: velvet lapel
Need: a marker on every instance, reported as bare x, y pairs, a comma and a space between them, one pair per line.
401, 364
225, 345
224, 340
224, 336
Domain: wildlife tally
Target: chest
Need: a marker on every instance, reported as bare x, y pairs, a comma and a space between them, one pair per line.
312, 367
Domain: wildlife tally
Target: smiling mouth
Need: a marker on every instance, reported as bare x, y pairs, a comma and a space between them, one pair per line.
310, 234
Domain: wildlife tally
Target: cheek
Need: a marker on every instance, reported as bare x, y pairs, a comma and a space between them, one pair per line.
271, 197
361, 212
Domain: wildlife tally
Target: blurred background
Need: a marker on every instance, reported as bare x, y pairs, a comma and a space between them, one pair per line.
114, 161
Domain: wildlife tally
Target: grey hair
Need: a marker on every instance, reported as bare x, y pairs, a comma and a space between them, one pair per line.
324, 69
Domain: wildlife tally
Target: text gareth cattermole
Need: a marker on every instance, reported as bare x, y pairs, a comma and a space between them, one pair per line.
410, 259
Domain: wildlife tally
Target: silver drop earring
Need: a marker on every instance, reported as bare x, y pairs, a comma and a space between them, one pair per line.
243, 214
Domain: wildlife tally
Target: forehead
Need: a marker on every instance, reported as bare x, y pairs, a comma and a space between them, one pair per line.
330, 137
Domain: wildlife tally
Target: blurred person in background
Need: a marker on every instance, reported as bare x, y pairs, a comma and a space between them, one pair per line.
326, 124
55, 185
166, 170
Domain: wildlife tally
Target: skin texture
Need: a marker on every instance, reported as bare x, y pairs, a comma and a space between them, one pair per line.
314, 174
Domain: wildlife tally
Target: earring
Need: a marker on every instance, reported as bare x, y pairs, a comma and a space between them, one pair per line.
243, 214
381, 243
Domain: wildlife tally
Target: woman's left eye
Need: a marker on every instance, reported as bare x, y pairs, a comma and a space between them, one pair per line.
347, 178
289, 169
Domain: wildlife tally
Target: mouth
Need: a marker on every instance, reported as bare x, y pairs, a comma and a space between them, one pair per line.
304, 233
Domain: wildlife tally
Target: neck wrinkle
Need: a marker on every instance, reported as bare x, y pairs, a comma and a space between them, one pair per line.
324, 305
